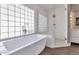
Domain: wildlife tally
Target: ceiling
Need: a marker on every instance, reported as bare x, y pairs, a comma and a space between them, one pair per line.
75, 7
50, 6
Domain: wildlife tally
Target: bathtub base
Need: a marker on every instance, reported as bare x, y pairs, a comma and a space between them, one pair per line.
34, 49
28, 45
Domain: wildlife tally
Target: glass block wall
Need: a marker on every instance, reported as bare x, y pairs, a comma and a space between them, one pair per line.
15, 20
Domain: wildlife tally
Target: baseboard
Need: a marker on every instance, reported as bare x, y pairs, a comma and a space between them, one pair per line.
54, 46
74, 43
51, 46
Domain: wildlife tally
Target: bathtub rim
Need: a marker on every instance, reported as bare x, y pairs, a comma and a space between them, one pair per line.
17, 49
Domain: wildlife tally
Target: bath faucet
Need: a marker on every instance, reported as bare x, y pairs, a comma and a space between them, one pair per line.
24, 31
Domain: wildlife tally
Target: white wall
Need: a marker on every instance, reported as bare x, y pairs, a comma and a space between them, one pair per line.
61, 24
38, 9
77, 14
74, 15
61, 18
75, 29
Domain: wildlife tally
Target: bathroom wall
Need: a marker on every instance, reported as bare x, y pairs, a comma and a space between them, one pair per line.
77, 14
38, 9
61, 21
75, 29
72, 19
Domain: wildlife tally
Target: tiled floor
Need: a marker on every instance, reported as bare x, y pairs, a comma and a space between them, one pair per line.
72, 50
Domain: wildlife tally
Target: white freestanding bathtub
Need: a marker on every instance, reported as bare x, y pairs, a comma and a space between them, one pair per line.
27, 45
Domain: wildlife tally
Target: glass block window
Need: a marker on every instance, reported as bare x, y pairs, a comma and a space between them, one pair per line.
15, 20
42, 23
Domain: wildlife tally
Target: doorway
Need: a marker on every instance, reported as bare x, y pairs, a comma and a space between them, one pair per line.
74, 23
